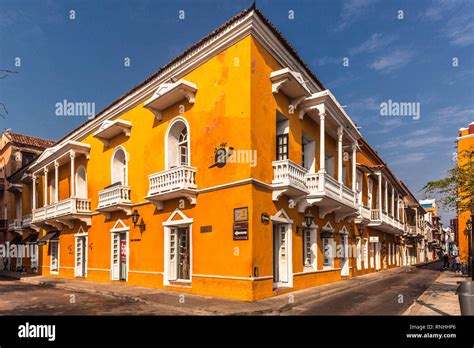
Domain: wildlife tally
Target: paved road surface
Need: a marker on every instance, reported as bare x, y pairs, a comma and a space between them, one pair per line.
381, 297
18, 298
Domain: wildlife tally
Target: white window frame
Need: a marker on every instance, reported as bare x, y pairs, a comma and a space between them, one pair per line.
370, 193
85, 235
281, 217
119, 228
51, 257
76, 181
183, 144
170, 223
178, 119
312, 232
366, 253
112, 174
372, 254
358, 253
330, 242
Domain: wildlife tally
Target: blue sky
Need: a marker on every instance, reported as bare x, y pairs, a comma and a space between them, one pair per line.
403, 60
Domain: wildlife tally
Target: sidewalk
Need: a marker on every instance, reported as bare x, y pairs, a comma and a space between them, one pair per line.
440, 298
203, 305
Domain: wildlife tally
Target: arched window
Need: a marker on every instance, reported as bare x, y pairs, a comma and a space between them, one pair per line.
119, 167
81, 182
177, 144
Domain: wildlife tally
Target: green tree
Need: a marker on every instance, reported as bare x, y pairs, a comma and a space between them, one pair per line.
456, 190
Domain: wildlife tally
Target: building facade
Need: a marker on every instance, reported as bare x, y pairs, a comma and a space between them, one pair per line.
16, 152
230, 172
465, 145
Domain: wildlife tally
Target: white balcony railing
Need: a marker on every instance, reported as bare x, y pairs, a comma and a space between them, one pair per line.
375, 215
69, 206
299, 181
286, 172
15, 225
114, 196
365, 212
174, 179
26, 221
323, 183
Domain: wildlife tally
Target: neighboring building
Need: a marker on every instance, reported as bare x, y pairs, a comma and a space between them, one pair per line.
16, 151
138, 195
465, 146
433, 223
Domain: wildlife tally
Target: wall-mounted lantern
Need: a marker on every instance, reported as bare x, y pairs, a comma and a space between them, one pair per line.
135, 218
308, 220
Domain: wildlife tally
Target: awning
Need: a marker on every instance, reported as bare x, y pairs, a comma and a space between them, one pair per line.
30, 239
49, 236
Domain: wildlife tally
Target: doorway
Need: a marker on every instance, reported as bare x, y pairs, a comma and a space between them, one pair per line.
344, 255
377, 256
281, 257
179, 250
81, 256
119, 256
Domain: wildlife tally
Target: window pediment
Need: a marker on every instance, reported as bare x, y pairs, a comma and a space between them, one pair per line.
110, 129
169, 94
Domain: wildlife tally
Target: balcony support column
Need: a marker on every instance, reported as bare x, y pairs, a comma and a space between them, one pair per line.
354, 166
56, 181
380, 192
45, 198
322, 150
386, 196
33, 203
398, 207
72, 155
392, 203
340, 132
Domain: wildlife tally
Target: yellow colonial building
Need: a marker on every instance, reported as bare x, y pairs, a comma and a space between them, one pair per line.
232, 171
465, 142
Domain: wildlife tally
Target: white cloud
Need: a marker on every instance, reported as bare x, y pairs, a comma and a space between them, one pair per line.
392, 61
454, 114
376, 42
352, 10
456, 18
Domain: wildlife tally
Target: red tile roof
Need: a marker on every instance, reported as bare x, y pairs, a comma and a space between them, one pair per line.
28, 140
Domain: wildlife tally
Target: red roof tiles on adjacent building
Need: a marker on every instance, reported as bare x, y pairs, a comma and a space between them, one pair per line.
28, 140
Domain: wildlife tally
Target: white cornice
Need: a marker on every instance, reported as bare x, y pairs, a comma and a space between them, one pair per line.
250, 24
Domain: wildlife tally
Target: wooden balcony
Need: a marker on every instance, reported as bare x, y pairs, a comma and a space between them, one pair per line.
63, 213
115, 198
172, 183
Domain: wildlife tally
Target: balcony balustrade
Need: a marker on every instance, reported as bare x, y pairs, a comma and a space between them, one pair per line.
172, 183
15, 225
114, 198
63, 212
